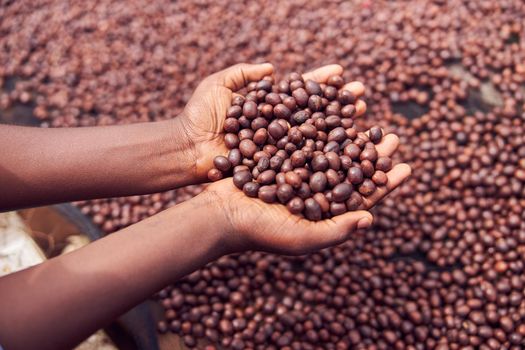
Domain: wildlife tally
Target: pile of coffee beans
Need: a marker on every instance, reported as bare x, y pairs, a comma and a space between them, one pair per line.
443, 266
295, 143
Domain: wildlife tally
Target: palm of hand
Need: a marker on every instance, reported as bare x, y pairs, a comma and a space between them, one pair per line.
255, 223
203, 119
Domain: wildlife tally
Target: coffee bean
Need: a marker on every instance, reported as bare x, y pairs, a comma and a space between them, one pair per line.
293, 179
351, 133
238, 101
231, 125
273, 98
333, 121
336, 81
258, 123
280, 179
332, 177
367, 167
369, 154
231, 141
312, 210
235, 111
303, 173
263, 164
315, 103
332, 161
318, 182
355, 175
342, 192
345, 97
276, 162
214, 175
338, 134
348, 111
320, 162
300, 117
331, 146
296, 84
268, 193
295, 135
249, 109
260, 137
284, 87
295, 205
260, 154
266, 177
308, 130
330, 92
354, 202
241, 178
298, 159
246, 134
353, 151
380, 178
234, 157
247, 148
222, 163
266, 111
346, 161
367, 188
284, 193
304, 191
290, 103
384, 164
276, 130
375, 134
312, 87
301, 97
286, 166
282, 111
251, 189
244, 122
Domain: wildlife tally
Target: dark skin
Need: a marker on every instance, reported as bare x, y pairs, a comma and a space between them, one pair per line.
92, 286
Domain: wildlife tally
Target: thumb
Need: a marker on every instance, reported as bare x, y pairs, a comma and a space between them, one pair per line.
327, 233
239, 75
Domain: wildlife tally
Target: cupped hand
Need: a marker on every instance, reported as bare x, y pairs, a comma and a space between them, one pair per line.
252, 224
203, 117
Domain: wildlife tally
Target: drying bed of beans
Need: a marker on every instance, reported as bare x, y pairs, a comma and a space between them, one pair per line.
443, 266
294, 143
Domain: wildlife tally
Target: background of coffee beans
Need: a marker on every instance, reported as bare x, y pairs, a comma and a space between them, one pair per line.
443, 266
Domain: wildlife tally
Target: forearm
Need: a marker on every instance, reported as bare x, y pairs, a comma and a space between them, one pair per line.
44, 166
63, 300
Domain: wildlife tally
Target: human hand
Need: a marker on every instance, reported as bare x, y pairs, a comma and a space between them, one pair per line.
201, 123
251, 224
203, 117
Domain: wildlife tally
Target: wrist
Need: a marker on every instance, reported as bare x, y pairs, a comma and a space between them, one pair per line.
183, 153
220, 232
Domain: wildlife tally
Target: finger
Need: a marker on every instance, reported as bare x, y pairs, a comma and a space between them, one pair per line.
396, 176
360, 108
239, 75
327, 233
322, 74
356, 88
388, 145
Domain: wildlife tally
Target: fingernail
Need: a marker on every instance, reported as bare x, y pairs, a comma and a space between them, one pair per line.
364, 223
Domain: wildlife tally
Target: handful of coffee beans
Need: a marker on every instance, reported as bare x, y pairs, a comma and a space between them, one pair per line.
295, 143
